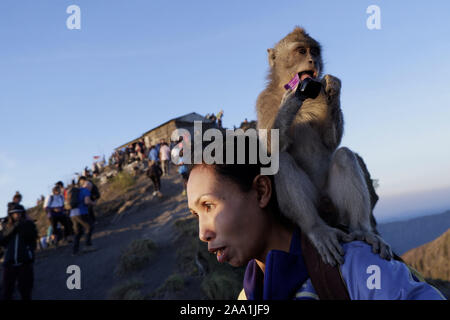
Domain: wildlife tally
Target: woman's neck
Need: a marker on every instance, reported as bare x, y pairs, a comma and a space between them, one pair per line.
279, 238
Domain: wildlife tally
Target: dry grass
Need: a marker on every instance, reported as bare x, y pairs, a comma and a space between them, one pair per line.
122, 181
128, 290
136, 256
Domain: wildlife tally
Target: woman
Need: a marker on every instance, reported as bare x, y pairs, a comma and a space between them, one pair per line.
54, 206
154, 172
19, 239
240, 220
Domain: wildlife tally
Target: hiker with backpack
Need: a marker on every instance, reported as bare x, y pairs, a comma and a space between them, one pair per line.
20, 240
239, 218
54, 206
153, 154
95, 195
154, 172
79, 198
69, 227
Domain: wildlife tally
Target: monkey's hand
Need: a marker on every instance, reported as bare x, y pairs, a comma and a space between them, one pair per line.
289, 94
326, 240
290, 104
332, 86
377, 243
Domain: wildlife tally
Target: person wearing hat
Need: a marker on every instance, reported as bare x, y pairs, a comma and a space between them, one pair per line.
17, 198
19, 239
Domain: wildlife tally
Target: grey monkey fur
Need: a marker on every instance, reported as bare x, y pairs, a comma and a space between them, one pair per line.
311, 164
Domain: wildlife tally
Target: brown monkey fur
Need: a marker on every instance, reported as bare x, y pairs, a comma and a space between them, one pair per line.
312, 168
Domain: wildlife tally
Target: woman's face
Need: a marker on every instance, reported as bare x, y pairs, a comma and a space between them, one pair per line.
230, 221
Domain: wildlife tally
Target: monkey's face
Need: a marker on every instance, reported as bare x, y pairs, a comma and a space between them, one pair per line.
298, 56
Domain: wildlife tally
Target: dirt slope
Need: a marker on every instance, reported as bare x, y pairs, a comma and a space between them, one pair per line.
145, 218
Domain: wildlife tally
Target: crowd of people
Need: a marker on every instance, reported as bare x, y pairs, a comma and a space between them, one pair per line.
70, 211
217, 118
156, 160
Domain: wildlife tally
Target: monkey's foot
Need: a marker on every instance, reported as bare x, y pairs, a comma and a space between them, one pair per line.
377, 243
326, 240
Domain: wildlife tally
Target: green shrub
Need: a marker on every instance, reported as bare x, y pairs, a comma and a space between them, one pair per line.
173, 283
122, 181
136, 256
221, 285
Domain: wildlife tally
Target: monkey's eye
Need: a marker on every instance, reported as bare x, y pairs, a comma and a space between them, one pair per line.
314, 51
301, 50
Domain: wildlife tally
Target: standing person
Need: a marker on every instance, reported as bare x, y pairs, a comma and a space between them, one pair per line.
85, 172
54, 206
164, 155
17, 197
79, 199
183, 170
95, 170
154, 172
19, 239
95, 195
68, 227
219, 118
153, 154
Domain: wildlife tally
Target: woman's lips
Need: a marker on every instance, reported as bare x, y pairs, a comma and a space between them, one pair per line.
222, 255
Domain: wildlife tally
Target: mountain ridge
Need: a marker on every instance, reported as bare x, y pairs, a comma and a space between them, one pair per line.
408, 234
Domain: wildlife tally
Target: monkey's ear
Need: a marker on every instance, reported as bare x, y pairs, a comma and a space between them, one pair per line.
271, 56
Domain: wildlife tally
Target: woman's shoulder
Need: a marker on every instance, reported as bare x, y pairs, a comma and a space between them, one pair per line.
368, 276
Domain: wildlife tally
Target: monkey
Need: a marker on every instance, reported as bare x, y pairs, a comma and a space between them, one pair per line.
312, 169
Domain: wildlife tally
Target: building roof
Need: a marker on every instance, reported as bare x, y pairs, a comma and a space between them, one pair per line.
189, 118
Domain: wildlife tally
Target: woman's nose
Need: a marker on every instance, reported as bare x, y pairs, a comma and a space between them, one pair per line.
206, 235
205, 231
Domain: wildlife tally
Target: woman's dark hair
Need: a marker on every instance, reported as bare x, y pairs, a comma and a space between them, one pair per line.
242, 174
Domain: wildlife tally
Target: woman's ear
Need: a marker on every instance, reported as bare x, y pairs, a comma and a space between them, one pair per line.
263, 186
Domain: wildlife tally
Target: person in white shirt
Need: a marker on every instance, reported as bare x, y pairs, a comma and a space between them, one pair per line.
54, 206
164, 156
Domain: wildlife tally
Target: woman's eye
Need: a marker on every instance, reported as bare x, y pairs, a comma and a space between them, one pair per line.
208, 206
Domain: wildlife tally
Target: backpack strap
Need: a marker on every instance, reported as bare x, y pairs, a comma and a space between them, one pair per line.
326, 280
50, 201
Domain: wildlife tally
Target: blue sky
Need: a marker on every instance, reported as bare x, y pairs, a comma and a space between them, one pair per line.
67, 95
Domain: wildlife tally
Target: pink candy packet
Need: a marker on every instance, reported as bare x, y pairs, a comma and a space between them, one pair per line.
293, 83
